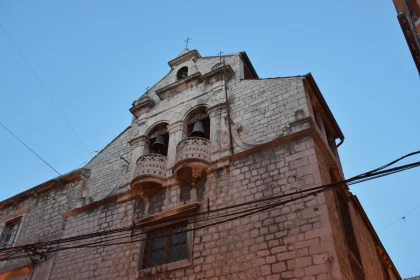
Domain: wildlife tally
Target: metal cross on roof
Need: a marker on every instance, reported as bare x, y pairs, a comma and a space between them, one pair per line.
186, 42
220, 55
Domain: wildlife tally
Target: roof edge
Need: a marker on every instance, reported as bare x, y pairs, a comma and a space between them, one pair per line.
71, 176
373, 231
247, 61
324, 104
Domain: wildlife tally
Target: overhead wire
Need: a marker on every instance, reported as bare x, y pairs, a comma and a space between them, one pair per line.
32, 151
44, 88
376, 173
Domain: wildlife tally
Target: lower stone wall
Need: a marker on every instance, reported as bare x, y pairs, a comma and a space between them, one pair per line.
293, 241
107, 262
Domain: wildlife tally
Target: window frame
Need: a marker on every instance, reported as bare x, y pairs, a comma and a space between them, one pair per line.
171, 265
169, 243
21, 218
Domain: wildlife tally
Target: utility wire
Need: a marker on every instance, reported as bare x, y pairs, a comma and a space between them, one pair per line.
402, 218
43, 87
8, 130
316, 190
312, 192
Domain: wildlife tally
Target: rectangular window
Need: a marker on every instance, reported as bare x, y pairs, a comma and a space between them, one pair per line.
166, 245
9, 233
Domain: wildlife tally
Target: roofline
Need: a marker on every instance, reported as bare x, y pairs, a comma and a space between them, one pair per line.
71, 176
373, 231
324, 104
118, 136
246, 60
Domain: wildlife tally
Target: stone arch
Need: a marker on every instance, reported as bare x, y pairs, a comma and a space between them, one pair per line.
159, 138
194, 115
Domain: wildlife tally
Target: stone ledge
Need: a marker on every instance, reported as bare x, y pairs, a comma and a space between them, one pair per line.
148, 273
118, 198
15, 214
165, 91
169, 214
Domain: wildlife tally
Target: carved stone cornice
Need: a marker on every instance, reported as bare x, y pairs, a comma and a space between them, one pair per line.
216, 109
219, 72
178, 86
142, 105
183, 210
177, 126
142, 140
60, 181
194, 54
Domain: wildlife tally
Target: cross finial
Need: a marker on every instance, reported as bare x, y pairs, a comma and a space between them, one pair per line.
220, 55
186, 42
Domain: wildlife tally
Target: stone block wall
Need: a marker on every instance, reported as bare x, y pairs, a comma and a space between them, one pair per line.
107, 262
108, 169
302, 239
265, 108
43, 218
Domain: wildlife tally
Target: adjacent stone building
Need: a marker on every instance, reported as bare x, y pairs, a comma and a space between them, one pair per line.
409, 19
186, 191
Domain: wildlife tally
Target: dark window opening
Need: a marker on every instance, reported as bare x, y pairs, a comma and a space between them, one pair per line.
159, 140
198, 124
182, 73
166, 245
346, 222
9, 233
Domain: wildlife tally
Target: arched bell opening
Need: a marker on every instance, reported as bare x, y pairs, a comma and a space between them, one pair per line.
198, 123
159, 139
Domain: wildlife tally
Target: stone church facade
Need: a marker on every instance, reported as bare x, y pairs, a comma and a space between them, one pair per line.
208, 144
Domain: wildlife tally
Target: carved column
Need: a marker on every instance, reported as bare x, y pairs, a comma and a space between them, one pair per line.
81, 187
320, 123
224, 136
139, 147
177, 132
215, 114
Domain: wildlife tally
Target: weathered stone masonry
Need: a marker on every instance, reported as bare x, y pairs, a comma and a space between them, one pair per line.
283, 137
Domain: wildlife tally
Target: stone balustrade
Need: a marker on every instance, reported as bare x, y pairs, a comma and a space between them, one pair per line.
193, 148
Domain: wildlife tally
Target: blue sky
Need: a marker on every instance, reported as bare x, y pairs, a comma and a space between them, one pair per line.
96, 57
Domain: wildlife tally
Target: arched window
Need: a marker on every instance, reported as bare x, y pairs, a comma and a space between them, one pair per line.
159, 139
182, 73
198, 123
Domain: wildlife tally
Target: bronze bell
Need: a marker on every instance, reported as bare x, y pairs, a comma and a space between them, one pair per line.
198, 130
159, 146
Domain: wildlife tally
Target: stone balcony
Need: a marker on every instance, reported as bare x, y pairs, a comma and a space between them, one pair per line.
194, 153
150, 174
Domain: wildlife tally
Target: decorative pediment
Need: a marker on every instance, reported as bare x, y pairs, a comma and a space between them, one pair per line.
184, 57
179, 86
142, 105
218, 71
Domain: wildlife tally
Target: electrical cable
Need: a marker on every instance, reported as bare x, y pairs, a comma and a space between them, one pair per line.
356, 179
43, 87
49, 165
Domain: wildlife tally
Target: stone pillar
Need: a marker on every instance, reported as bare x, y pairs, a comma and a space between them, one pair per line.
225, 136
139, 147
215, 115
320, 123
177, 132
82, 189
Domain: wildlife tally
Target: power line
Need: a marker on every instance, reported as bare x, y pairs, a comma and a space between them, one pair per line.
43, 87
376, 173
402, 218
315, 190
8, 130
